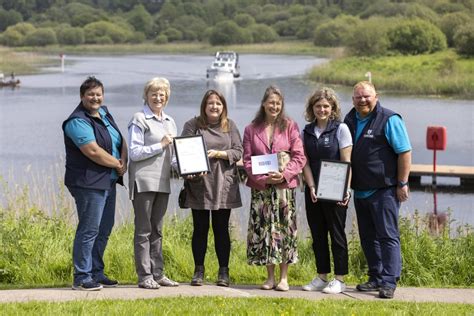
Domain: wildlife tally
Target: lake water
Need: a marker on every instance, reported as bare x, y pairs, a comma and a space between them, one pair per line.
31, 141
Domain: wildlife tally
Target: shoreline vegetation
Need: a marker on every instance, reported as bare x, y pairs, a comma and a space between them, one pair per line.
442, 74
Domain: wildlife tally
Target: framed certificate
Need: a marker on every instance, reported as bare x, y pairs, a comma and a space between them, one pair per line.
191, 154
263, 164
333, 180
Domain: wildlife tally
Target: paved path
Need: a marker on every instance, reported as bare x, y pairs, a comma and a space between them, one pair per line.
131, 292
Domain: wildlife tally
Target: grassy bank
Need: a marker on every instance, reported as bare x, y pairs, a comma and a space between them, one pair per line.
36, 251
282, 47
21, 62
439, 74
234, 306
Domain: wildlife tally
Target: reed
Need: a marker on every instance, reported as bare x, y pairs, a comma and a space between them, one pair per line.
21, 62
36, 245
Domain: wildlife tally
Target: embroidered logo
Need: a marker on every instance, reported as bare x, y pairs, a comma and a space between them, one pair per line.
369, 134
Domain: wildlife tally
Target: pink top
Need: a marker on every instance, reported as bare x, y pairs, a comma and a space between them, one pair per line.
255, 143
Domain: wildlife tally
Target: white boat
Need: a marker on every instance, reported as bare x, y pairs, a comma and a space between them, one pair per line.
225, 67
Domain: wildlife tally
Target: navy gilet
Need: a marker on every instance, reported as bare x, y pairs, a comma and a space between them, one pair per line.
374, 162
324, 147
80, 170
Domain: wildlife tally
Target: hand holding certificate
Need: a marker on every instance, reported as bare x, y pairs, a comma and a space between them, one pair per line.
191, 154
333, 180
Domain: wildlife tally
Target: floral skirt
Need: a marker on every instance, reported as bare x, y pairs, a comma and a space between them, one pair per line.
271, 236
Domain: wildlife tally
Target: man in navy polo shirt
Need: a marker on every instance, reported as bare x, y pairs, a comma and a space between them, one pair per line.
381, 160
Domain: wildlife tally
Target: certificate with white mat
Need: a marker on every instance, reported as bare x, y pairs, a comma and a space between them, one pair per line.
191, 154
263, 164
333, 180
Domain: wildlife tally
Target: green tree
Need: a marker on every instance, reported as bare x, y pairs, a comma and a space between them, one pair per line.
98, 32
228, 32
450, 22
244, 19
335, 32
464, 39
192, 27
11, 37
262, 33
23, 28
416, 37
70, 36
7, 18
161, 39
41, 37
369, 38
173, 34
141, 20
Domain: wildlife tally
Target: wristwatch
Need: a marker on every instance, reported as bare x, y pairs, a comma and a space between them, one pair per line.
401, 184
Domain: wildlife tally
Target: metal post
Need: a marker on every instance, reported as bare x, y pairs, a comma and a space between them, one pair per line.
433, 181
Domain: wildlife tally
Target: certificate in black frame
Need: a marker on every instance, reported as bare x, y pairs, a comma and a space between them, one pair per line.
333, 180
191, 154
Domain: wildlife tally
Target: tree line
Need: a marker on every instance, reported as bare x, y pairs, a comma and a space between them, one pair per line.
365, 27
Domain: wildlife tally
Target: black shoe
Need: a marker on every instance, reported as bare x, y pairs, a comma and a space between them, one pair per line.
198, 277
386, 292
368, 287
223, 277
106, 282
87, 286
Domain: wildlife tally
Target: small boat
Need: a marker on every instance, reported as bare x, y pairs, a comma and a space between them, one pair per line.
10, 83
225, 67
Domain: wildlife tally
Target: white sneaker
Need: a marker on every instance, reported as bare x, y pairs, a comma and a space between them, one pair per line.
316, 285
335, 287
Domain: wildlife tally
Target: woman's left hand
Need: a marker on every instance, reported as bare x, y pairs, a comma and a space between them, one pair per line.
346, 199
211, 153
275, 178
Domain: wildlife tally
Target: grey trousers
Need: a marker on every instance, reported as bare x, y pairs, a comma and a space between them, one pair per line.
150, 208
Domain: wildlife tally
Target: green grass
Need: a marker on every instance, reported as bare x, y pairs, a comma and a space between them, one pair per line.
36, 250
234, 306
439, 74
21, 62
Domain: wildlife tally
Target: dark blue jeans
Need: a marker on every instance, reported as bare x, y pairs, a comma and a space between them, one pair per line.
377, 217
96, 214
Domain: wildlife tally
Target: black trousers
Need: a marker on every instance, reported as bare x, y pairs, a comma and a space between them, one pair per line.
328, 218
220, 227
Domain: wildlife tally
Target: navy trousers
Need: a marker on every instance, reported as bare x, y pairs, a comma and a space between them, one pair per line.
377, 217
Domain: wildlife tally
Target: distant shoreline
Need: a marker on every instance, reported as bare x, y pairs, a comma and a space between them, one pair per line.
443, 74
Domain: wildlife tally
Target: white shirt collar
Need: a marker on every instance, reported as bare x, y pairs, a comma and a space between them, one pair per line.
149, 114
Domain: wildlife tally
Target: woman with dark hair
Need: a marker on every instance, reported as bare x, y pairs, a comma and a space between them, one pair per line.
326, 137
216, 193
96, 159
272, 232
